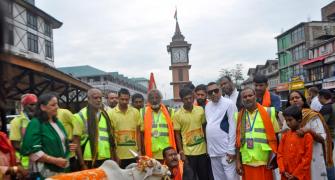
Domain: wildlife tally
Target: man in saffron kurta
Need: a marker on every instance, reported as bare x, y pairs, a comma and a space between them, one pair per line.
156, 127
255, 138
263, 95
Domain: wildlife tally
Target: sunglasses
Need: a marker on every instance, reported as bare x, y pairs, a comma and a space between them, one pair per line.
213, 91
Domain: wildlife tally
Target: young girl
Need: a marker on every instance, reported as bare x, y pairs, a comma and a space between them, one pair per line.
295, 152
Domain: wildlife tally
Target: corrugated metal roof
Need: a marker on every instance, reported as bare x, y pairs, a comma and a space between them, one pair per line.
82, 71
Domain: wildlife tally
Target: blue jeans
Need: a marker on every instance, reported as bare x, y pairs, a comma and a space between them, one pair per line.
331, 173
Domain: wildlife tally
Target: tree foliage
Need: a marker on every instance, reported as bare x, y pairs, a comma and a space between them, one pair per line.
234, 73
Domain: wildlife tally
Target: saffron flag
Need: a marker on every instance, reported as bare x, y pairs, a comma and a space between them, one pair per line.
152, 83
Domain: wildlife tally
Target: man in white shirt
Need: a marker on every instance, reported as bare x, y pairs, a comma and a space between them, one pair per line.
230, 91
315, 104
221, 134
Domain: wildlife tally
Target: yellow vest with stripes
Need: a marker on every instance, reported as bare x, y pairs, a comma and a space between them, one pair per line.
260, 152
103, 139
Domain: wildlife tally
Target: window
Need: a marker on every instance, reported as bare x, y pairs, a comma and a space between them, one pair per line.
9, 37
95, 79
48, 49
297, 70
299, 52
329, 48
32, 42
315, 53
310, 54
331, 70
31, 21
8, 8
298, 35
47, 29
316, 74
180, 74
284, 75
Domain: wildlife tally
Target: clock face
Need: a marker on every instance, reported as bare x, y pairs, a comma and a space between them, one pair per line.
179, 55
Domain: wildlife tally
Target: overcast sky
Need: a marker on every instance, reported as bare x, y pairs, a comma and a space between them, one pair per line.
130, 36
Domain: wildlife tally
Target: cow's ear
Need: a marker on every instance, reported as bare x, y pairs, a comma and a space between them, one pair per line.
148, 172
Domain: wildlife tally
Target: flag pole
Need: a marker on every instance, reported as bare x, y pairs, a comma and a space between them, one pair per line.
175, 15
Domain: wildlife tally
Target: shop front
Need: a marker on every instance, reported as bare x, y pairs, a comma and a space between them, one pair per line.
329, 83
297, 84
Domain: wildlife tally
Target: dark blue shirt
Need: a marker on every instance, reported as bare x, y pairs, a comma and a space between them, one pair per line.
275, 101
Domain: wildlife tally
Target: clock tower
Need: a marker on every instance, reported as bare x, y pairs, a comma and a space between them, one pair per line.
179, 49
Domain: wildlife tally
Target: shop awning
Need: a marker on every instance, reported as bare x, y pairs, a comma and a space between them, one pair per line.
320, 58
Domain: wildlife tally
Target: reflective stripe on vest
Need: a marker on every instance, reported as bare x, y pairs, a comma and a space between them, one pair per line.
260, 140
160, 125
103, 143
160, 134
261, 149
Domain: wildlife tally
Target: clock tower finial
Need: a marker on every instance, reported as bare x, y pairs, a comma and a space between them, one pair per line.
179, 50
177, 33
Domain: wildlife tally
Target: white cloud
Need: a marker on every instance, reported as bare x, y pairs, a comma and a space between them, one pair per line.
131, 36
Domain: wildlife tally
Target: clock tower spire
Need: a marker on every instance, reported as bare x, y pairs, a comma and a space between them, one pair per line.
179, 50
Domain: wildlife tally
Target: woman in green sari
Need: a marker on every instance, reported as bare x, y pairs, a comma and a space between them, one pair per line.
45, 140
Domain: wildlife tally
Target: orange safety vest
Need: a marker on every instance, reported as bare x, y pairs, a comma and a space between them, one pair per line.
269, 130
148, 128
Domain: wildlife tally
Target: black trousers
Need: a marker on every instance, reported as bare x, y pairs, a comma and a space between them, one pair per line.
200, 165
125, 162
74, 164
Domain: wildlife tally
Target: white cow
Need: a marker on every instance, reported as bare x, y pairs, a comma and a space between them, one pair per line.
146, 169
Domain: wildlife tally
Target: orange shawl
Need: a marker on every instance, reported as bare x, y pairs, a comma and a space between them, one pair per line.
309, 114
196, 103
269, 130
90, 174
266, 101
148, 127
177, 172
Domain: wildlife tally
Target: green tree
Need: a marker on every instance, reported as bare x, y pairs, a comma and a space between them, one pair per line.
234, 73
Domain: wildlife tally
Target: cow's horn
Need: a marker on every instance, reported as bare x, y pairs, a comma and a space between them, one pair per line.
133, 153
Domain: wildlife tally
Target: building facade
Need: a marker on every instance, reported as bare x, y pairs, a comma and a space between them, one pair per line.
29, 31
272, 72
328, 12
105, 81
27, 62
293, 46
270, 69
249, 81
320, 68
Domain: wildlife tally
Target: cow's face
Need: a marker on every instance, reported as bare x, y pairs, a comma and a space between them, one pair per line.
153, 169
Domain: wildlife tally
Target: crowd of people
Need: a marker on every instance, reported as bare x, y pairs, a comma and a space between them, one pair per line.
218, 133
